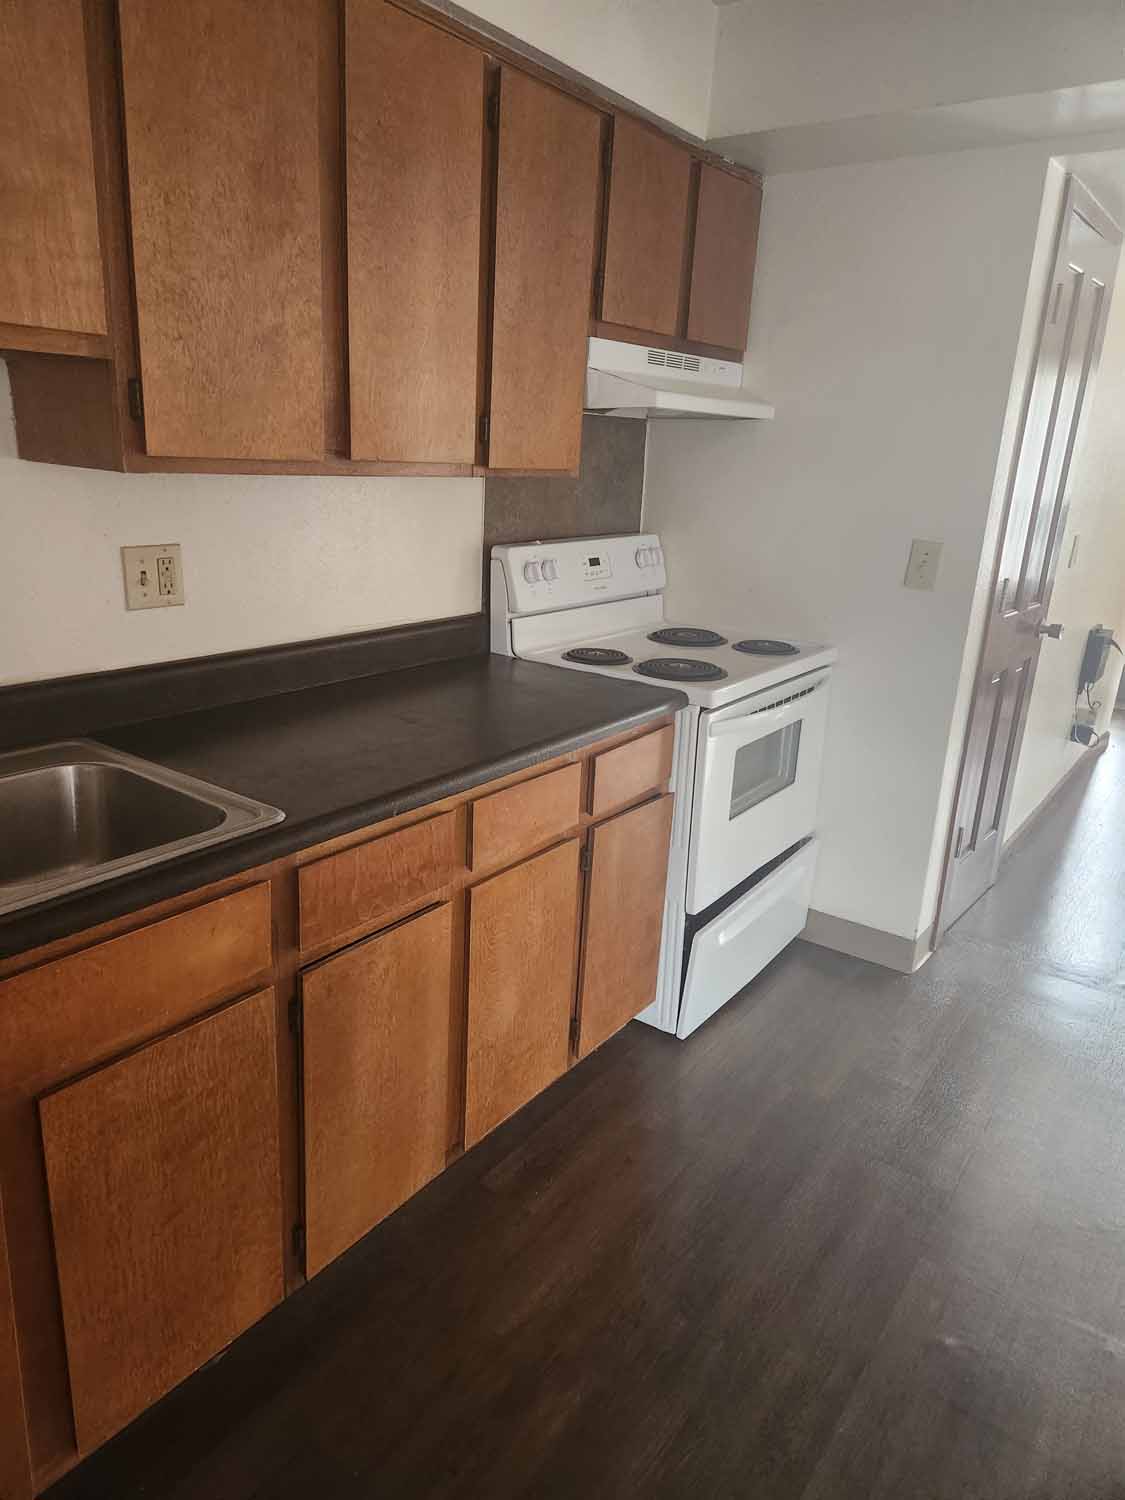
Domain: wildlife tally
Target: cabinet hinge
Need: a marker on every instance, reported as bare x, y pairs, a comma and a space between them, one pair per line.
574, 1029
296, 1017
299, 1243
484, 427
136, 400
492, 114
599, 287
585, 859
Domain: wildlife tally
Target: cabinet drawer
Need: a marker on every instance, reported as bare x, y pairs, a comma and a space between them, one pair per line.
109, 997
357, 886
525, 817
622, 775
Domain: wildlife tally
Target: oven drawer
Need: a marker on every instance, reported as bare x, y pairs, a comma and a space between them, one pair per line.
738, 943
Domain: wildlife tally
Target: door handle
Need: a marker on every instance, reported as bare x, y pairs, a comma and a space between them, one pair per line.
1054, 631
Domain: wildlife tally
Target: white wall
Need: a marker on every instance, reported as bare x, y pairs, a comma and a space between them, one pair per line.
658, 53
788, 62
887, 314
265, 559
1089, 593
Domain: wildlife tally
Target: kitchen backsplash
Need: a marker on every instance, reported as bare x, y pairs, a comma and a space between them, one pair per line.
603, 499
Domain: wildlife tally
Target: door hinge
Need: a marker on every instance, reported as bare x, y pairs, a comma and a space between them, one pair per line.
492, 114
585, 859
299, 1244
136, 399
296, 1017
484, 427
574, 1029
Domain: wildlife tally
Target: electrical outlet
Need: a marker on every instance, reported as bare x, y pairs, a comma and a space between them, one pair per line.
154, 576
922, 567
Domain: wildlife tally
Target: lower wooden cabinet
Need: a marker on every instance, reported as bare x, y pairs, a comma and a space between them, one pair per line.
378, 1070
523, 936
164, 1180
624, 919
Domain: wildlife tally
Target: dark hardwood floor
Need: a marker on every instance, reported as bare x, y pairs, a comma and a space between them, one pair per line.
863, 1236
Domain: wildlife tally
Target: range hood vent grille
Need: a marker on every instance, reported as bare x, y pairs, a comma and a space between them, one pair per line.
668, 359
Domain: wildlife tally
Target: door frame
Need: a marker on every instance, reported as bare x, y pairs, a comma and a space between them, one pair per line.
1078, 199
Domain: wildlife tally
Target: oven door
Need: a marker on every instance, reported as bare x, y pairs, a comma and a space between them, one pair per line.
757, 781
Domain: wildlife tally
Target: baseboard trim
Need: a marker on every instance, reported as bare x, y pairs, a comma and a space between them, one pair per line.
887, 949
1090, 754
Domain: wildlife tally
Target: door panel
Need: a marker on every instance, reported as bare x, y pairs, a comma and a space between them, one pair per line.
523, 932
546, 218
164, 1178
1035, 514
221, 119
415, 142
50, 253
378, 1068
624, 919
646, 229
726, 247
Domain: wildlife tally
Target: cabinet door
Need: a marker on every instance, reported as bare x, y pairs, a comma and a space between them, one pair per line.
378, 1038
50, 254
546, 217
221, 122
646, 229
415, 142
164, 1179
726, 246
523, 931
624, 920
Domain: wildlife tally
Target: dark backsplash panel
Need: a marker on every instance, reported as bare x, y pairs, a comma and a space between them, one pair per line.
604, 499
66, 706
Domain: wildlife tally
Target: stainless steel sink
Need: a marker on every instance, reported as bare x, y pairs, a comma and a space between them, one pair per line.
76, 813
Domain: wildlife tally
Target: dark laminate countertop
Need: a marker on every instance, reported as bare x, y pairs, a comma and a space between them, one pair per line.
340, 757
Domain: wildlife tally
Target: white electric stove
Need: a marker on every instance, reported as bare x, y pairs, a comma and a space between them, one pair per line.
748, 753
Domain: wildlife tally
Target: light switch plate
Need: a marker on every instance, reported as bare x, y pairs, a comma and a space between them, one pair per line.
922, 568
154, 576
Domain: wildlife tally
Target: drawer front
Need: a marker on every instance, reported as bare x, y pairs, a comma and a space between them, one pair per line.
640, 766
524, 817
356, 887
67, 1014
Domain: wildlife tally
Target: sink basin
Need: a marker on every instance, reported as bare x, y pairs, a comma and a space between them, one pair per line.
77, 813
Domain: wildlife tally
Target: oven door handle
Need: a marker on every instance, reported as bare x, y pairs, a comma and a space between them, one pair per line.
747, 725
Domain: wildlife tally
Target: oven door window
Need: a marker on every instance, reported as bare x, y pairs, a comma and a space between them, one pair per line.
763, 768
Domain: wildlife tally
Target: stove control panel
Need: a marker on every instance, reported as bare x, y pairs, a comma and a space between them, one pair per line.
558, 575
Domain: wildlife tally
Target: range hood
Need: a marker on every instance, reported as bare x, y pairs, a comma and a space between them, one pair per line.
633, 380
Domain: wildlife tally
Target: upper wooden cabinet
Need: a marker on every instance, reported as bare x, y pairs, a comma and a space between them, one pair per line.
415, 154
546, 227
646, 229
50, 252
723, 257
331, 236
222, 132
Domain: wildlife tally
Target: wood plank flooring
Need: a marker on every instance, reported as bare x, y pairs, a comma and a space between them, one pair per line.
863, 1236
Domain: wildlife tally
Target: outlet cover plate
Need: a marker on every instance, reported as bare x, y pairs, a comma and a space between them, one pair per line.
154, 576
922, 568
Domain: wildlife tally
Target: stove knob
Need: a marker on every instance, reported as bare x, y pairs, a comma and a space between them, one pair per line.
550, 570
658, 557
531, 572
641, 557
